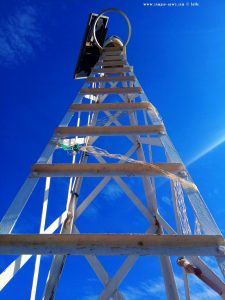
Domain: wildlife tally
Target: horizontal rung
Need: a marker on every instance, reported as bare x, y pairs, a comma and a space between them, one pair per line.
110, 79
109, 130
111, 53
112, 49
119, 63
112, 244
100, 170
111, 106
112, 70
122, 90
112, 57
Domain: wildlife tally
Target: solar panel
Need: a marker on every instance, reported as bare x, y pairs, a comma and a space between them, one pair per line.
89, 52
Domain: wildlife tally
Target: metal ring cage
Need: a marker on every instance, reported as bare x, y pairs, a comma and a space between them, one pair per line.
119, 12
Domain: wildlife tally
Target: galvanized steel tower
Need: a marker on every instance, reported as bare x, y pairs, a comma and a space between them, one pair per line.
111, 104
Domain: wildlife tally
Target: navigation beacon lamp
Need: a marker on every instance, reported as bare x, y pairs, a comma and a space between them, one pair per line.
112, 104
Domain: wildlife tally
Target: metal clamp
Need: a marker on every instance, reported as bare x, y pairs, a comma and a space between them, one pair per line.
119, 12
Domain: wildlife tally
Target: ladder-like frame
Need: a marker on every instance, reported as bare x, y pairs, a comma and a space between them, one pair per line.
113, 75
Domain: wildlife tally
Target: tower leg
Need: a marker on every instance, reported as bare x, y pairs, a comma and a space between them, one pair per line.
168, 277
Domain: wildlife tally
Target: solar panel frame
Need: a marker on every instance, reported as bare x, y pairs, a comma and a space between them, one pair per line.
89, 52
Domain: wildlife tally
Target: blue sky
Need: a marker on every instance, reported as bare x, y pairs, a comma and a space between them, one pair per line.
178, 57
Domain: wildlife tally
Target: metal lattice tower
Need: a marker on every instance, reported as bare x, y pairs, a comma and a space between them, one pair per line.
113, 103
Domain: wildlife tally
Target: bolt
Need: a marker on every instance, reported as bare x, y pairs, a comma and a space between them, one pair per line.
221, 250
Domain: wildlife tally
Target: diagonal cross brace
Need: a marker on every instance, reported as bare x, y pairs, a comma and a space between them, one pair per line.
99, 269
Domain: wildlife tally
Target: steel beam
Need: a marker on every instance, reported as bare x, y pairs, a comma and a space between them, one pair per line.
14, 211
58, 261
17, 264
114, 283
